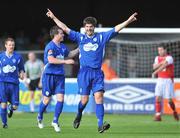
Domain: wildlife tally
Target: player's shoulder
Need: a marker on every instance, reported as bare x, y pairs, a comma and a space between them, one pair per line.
63, 45
39, 61
18, 55
156, 57
50, 45
27, 62
169, 56
2, 53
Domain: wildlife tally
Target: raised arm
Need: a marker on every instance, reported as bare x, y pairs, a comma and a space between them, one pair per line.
73, 53
58, 22
131, 19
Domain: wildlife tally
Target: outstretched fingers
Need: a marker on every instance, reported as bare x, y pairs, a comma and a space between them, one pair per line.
49, 13
133, 17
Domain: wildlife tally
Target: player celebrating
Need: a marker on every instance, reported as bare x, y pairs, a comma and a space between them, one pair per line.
164, 68
53, 79
11, 69
90, 77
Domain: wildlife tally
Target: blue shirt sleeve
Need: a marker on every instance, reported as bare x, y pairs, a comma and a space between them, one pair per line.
107, 36
50, 51
74, 36
21, 64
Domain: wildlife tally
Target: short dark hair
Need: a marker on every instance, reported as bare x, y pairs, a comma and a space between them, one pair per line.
54, 31
9, 39
162, 46
165, 48
90, 20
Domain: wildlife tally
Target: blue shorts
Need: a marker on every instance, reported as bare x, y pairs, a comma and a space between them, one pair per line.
9, 92
53, 84
90, 79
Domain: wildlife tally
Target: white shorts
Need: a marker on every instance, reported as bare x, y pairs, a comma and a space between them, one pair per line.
164, 88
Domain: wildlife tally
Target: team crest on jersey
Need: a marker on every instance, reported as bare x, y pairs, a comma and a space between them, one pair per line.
47, 93
90, 46
9, 68
95, 39
14, 60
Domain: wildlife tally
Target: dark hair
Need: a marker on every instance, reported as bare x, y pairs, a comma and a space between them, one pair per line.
162, 46
165, 48
9, 39
54, 31
90, 20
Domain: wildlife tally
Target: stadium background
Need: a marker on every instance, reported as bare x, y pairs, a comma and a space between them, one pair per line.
26, 21
30, 15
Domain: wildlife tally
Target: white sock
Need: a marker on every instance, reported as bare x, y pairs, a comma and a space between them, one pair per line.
32, 106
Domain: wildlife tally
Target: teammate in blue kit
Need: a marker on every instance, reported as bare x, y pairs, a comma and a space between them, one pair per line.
11, 69
91, 77
53, 79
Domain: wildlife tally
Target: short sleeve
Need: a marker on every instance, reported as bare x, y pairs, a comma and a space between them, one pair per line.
74, 36
156, 60
50, 51
169, 59
107, 36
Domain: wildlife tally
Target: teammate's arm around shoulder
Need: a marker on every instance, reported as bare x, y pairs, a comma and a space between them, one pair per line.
73, 53
58, 22
131, 19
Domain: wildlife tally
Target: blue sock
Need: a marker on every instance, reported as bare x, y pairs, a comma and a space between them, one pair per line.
42, 108
80, 109
58, 110
4, 115
100, 114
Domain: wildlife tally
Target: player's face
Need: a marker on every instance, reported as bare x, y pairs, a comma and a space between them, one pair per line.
10, 45
89, 29
32, 57
161, 51
60, 35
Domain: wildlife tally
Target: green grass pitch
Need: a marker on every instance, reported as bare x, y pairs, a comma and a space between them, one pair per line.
23, 125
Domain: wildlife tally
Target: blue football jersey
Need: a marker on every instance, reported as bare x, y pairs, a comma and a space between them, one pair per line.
10, 67
57, 51
92, 49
